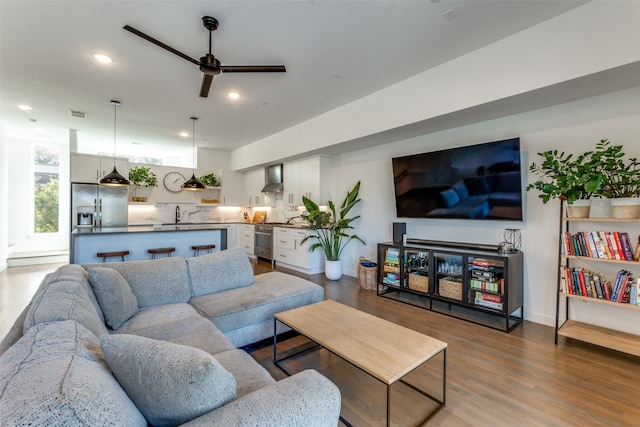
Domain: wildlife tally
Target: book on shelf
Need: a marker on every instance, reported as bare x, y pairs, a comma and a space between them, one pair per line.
614, 245
488, 300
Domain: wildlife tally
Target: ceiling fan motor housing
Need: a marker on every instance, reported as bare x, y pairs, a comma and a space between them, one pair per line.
210, 65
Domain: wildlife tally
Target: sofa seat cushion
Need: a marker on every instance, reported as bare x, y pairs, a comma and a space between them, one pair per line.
68, 296
114, 294
170, 383
219, 271
179, 324
270, 293
154, 282
249, 374
55, 375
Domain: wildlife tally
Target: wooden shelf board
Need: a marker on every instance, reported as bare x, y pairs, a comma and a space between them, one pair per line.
630, 220
600, 301
604, 337
590, 258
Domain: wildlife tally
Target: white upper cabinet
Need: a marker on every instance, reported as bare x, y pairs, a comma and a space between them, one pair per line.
308, 177
87, 168
231, 188
253, 183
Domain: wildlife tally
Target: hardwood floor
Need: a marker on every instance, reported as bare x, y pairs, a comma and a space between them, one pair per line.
493, 378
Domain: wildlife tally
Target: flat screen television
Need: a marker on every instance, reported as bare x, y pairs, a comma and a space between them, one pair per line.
479, 182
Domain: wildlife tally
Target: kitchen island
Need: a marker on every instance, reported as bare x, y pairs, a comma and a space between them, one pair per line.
137, 239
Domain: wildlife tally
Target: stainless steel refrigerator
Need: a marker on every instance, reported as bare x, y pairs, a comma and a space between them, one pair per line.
108, 204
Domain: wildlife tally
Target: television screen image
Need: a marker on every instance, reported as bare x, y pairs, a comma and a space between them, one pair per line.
481, 181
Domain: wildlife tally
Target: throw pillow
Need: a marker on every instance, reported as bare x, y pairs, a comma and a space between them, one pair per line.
461, 189
114, 295
449, 198
169, 383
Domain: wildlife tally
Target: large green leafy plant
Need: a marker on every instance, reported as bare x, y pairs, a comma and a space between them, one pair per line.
565, 177
330, 229
619, 177
143, 176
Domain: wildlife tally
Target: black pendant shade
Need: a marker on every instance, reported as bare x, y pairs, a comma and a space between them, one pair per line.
114, 179
193, 184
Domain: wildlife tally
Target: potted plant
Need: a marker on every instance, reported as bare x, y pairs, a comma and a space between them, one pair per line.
142, 177
330, 230
566, 178
620, 179
210, 180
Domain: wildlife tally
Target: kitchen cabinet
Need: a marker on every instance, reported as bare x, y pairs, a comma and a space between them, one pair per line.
247, 238
89, 169
253, 183
308, 177
231, 188
289, 251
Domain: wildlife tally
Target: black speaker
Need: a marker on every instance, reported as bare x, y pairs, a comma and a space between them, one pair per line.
399, 230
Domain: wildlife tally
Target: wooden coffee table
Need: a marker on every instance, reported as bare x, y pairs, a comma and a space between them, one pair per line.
382, 349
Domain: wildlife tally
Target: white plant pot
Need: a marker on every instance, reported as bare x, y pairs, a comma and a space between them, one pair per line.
333, 269
579, 209
625, 207
600, 208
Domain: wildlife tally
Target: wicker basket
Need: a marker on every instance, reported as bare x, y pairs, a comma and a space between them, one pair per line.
418, 282
367, 275
450, 288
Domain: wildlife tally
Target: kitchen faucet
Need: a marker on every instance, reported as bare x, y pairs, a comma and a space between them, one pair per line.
177, 214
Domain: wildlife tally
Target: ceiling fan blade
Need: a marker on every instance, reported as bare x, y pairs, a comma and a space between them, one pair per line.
207, 79
160, 44
253, 69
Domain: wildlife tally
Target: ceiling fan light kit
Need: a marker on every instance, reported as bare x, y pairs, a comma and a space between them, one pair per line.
208, 64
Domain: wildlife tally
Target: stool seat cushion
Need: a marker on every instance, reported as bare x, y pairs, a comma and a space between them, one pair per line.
114, 294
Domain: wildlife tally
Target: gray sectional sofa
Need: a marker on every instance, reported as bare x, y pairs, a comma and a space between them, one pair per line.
155, 343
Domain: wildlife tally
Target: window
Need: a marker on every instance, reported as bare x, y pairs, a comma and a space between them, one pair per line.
46, 191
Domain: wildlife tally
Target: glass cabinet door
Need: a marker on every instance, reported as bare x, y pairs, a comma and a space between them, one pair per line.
416, 270
449, 275
486, 282
389, 266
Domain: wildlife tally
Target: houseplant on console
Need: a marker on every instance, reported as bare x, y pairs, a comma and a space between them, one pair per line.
143, 179
567, 178
330, 230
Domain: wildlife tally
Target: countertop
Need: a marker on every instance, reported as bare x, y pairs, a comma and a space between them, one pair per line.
170, 227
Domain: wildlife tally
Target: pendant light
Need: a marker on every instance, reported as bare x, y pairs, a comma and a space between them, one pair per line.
114, 179
193, 184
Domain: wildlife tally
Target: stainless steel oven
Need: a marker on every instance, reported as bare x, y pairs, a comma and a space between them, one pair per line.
264, 241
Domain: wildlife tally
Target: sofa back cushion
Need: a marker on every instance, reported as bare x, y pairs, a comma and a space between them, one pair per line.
170, 383
56, 375
66, 295
154, 282
219, 271
114, 294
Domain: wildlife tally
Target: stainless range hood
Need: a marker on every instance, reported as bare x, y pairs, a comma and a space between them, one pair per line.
273, 179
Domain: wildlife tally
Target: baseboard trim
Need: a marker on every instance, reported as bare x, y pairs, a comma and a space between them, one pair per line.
38, 259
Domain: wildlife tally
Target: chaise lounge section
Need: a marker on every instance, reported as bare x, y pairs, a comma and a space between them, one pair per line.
155, 342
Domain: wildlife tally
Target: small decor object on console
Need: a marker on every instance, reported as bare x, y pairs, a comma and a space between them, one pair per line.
512, 240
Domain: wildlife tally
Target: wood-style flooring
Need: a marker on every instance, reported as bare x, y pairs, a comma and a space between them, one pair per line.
493, 378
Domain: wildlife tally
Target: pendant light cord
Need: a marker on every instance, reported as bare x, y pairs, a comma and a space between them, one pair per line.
193, 144
115, 108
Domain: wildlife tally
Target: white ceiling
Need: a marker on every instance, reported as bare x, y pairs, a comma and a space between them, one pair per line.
335, 52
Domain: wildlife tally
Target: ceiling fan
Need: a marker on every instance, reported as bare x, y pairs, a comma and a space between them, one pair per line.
209, 64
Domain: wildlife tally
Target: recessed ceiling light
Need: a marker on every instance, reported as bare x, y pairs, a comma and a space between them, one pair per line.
102, 58
24, 107
234, 95
184, 134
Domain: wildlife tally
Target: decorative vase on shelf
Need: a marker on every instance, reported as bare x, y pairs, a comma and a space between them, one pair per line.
333, 269
600, 207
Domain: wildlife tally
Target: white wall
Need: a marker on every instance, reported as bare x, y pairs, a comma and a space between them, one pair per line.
574, 127
4, 200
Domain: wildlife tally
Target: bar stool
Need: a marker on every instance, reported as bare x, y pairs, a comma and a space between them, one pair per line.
198, 248
157, 251
105, 255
